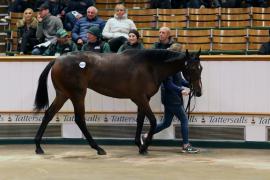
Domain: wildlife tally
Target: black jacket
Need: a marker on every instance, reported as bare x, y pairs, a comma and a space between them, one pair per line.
265, 49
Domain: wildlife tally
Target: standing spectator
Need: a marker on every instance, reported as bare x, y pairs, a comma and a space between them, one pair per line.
63, 45
117, 28
94, 43
79, 32
74, 10
133, 41
265, 48
172, 90
46, 29
27, 27
165, 39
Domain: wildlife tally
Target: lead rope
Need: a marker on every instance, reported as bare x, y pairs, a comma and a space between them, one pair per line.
190, 96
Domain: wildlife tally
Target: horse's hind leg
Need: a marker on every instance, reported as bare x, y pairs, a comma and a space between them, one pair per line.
140, 120
49, 114
79, 109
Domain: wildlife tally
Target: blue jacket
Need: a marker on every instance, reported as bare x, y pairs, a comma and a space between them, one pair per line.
82, 25
171, 89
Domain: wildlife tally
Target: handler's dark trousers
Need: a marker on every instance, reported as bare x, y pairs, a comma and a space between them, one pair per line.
179, 112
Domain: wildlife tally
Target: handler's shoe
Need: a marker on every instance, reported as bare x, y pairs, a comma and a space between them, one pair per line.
190, 149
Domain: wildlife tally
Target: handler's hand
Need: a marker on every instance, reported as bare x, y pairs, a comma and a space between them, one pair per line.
185, 92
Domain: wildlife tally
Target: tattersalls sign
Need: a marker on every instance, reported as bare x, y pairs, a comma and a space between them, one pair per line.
130, 118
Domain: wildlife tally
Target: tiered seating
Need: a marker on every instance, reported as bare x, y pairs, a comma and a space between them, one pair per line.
220, 30
194, 40
255, 38
235, 17
137, 4
3, 25
173, 18
203, 18
13, 40
229, 41
106, 13
260, 16
143, 18
107, 4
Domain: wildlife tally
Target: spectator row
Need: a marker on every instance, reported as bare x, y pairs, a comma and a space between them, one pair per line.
214, 41
196, 18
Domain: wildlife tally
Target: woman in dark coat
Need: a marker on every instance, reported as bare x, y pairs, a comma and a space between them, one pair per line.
133, 41
27, 27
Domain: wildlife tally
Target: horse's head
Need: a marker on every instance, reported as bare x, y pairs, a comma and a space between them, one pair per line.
192, 72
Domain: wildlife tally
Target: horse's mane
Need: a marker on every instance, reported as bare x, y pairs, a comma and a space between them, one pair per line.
155, 55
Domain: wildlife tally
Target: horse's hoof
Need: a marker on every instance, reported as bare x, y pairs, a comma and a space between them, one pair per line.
143, 152
39, 151
101, 152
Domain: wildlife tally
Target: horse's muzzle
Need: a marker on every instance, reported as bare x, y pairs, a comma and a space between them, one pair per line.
198, 93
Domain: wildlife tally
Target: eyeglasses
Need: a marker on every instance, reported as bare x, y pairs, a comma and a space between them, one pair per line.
119, 10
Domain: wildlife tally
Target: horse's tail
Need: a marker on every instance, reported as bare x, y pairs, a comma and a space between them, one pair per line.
42, 99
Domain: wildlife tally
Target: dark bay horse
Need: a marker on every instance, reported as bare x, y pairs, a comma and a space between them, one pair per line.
134, 74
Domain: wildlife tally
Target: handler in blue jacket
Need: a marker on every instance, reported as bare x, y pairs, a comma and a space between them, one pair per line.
172, 89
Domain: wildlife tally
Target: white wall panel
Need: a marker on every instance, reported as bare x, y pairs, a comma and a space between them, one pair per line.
228, 86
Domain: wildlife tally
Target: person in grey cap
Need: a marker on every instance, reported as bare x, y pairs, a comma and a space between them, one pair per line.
94, 43
46, 29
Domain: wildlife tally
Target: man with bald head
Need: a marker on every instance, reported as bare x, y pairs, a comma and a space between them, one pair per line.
165, 39
79, 32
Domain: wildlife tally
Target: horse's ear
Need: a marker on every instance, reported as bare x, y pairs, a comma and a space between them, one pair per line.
198, 53
187, 53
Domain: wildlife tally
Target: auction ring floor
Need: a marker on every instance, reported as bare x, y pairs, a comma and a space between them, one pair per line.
64, 162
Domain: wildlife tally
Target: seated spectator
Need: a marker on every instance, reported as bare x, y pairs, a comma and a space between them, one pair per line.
133, 41
63, 45
162, 4
165, 39
94, 43
74, 10
46, 29
256, 3
27, 27
117, 28
19, 5
55, 6
231, 3
79, 32
203, 3
265, 48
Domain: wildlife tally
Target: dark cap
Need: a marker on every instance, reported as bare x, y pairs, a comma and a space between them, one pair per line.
95, 31
43, 6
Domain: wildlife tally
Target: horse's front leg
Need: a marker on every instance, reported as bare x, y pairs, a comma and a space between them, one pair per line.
148, 140
140, 121
144, 105
79, 109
